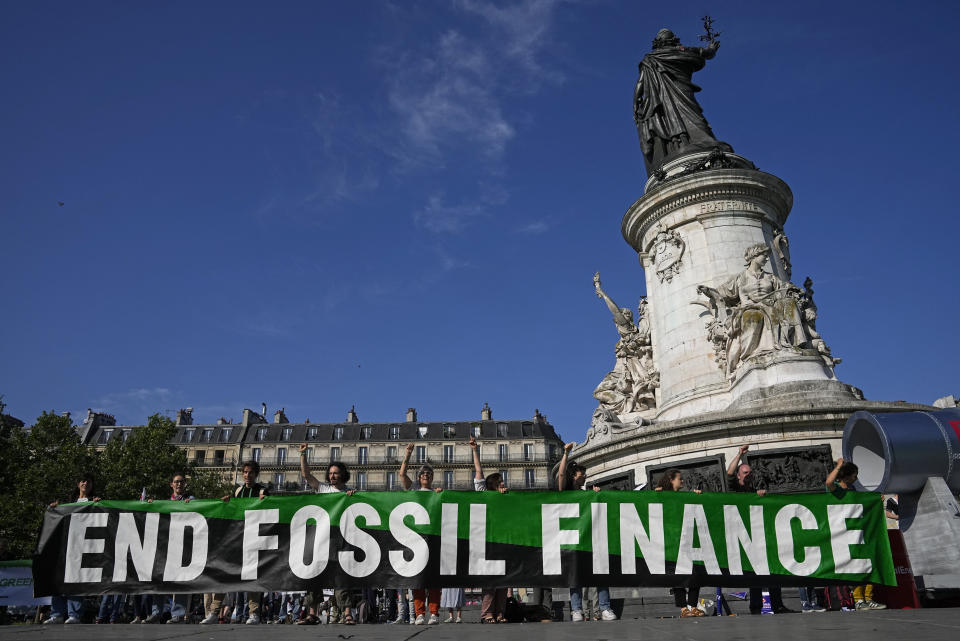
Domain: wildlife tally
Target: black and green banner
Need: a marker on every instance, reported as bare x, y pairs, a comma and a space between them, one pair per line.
469, 539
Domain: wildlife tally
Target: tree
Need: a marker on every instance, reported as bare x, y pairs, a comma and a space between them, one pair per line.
42, 465
146, 460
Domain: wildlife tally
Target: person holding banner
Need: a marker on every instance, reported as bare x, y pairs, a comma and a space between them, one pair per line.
573, 476
740, 478
336, 481
425, 483
686, 598
61, 605
494, 600
176, 608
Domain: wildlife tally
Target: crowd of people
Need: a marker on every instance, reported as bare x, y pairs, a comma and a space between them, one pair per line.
423, 606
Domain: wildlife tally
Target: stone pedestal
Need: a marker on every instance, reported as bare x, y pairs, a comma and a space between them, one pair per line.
691, 229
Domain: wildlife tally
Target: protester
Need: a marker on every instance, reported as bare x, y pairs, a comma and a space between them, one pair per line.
176, 606
740, 478
688, 599
494, 600
839, 481
424, 484
336, 481
60, 605
573, 476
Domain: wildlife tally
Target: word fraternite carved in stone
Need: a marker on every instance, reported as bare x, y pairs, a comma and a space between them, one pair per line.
630, 386
756, 314
667, 253
669, 120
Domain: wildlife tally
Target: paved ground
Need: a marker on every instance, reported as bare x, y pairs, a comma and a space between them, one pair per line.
893, 625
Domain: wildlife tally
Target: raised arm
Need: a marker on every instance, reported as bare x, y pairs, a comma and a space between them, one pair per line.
404, 478
312, 480
735, 463
618, 316
562, 470
831, 481
477, 468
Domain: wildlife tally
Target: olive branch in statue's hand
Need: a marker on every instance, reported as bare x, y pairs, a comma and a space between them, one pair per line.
710, 35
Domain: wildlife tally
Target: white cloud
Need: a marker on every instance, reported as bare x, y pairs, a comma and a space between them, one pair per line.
439, 217
534, 228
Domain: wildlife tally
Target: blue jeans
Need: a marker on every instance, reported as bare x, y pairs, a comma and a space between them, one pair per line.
111, 607
808, 598
176, 605
576, 599
64, 607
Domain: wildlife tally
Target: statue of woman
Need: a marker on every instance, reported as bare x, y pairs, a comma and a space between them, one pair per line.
669, 120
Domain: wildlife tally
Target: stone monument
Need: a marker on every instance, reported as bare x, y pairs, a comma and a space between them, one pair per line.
726, 350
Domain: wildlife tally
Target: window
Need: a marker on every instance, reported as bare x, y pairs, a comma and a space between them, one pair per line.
225, 434
187, 435
206, 435
421, 454
198, 456
501, 452
218, 457
361, 480
502, 430
449, 431
475, 431
527, 451
366, 433
529, 478
503, 475
255, 454
391, 453
394, 432
448, 480
526, 430
311, 433
334, 453
448, 454
286, 434
391, 480
362, 455
278, 480
261, 434
552, 451
124, 435
338, 434
281, 455
422, 431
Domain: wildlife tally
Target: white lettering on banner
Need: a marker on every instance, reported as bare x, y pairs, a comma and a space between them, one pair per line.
298, 541
78, 544
142, 552
694, 518
448, 538
409, 539
598, 528
842, 538
632, 534
479, 564
552, 536
785, 548
355, 536
753, 542
174, 570
253, 542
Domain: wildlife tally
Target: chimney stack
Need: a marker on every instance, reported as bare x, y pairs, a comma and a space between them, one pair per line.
352, 415
411, 415
279, 416
486, 414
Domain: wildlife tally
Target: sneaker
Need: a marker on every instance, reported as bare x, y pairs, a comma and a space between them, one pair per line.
72, 620
137, 620
459, 620
176, 619
873, 605
449, 619
54, 620
420, 620
153, 618
608, 615
861, 605
576, 615
253, 620
211, 618
433, 620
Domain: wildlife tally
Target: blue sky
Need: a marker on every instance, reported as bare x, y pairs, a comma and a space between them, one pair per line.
389, 205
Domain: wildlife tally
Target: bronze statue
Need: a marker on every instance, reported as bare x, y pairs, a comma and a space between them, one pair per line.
669, 120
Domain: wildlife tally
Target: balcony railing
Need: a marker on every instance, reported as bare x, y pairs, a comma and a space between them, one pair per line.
433, 459
229, 461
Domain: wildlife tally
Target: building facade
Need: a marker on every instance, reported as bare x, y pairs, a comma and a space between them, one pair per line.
523, 451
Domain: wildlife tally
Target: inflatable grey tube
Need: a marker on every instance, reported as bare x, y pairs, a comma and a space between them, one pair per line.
897, 452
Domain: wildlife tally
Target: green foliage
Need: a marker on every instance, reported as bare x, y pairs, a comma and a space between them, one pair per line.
41, 465
147, 459
207, 484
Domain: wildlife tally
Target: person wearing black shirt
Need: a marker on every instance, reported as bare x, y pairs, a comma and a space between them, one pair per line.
249, 489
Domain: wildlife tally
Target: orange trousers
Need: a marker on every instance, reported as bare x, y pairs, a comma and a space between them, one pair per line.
434, 596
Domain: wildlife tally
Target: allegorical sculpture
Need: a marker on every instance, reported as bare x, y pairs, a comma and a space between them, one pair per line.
630, 386
669, 119
755, 313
